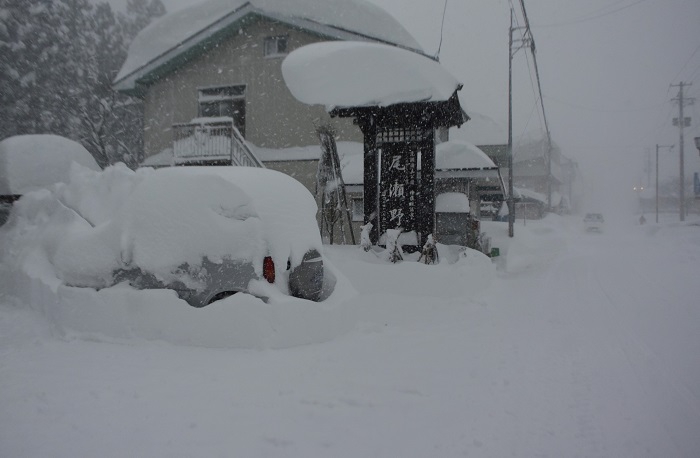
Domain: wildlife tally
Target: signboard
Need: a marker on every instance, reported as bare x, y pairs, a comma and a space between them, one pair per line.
398, 186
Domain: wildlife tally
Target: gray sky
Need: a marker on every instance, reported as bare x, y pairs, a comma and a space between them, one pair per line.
605, 67
605, 76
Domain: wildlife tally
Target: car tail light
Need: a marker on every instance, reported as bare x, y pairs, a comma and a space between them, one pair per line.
269, 269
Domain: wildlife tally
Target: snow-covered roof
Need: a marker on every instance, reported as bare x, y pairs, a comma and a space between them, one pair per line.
29, 162
529, 194
180, 31
360, 74
452, 202
481, 130
457, 154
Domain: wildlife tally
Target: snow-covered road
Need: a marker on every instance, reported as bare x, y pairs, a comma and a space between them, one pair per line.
593, 353
607, 339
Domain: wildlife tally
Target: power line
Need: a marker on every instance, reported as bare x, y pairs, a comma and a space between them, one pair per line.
695, 73
531, 40
442, 28
589, 18
686, 63
601, 110
532, 81
522, 134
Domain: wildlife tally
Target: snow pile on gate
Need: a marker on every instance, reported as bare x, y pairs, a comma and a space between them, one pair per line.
29, 162
81, 231
459, 154
355, 74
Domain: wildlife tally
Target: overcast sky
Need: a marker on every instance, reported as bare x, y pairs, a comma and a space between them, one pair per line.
605, 67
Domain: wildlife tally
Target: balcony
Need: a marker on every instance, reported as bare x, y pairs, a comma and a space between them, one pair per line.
211, 141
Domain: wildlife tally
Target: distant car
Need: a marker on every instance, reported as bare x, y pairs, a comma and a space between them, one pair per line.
204, 232
593, 222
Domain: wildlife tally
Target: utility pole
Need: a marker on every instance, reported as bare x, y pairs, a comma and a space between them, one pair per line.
648, 151
670, 147
682, 122
521, 43
511, 201
531, 43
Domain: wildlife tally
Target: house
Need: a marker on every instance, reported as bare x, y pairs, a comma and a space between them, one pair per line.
487, 135
222, 58
531, 171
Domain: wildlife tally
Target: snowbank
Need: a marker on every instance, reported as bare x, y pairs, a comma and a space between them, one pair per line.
535, 243
29, 162
461, 273
81, 231
355, 74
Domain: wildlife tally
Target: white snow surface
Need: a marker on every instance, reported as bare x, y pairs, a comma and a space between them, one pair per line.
525, 192
159, 220
577, 345
30, 162
452, 202
357, 74
460, 154
176, 28
81, 231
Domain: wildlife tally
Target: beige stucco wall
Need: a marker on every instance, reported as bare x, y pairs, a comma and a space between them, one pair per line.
274, 119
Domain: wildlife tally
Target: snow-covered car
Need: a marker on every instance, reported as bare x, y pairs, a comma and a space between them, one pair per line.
29, 162
204, 232
593, 222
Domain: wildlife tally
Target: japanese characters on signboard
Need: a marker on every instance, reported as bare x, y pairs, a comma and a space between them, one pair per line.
398, 186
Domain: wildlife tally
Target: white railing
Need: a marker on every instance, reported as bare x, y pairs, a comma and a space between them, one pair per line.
214, 141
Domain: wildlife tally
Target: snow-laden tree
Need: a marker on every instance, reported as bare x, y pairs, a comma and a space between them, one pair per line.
57, 62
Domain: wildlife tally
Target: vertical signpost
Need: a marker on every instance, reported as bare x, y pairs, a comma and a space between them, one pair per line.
400, 201
398, 188
398, 140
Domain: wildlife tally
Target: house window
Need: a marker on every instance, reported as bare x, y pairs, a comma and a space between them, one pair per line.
276, 46
358, 209
226, 101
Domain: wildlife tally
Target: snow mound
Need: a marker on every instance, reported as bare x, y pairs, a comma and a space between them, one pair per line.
534, 245
81, 231
459, 154
355, 74
30, 162
461, 273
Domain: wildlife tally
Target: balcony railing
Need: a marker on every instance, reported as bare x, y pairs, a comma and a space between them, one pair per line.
211, 141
